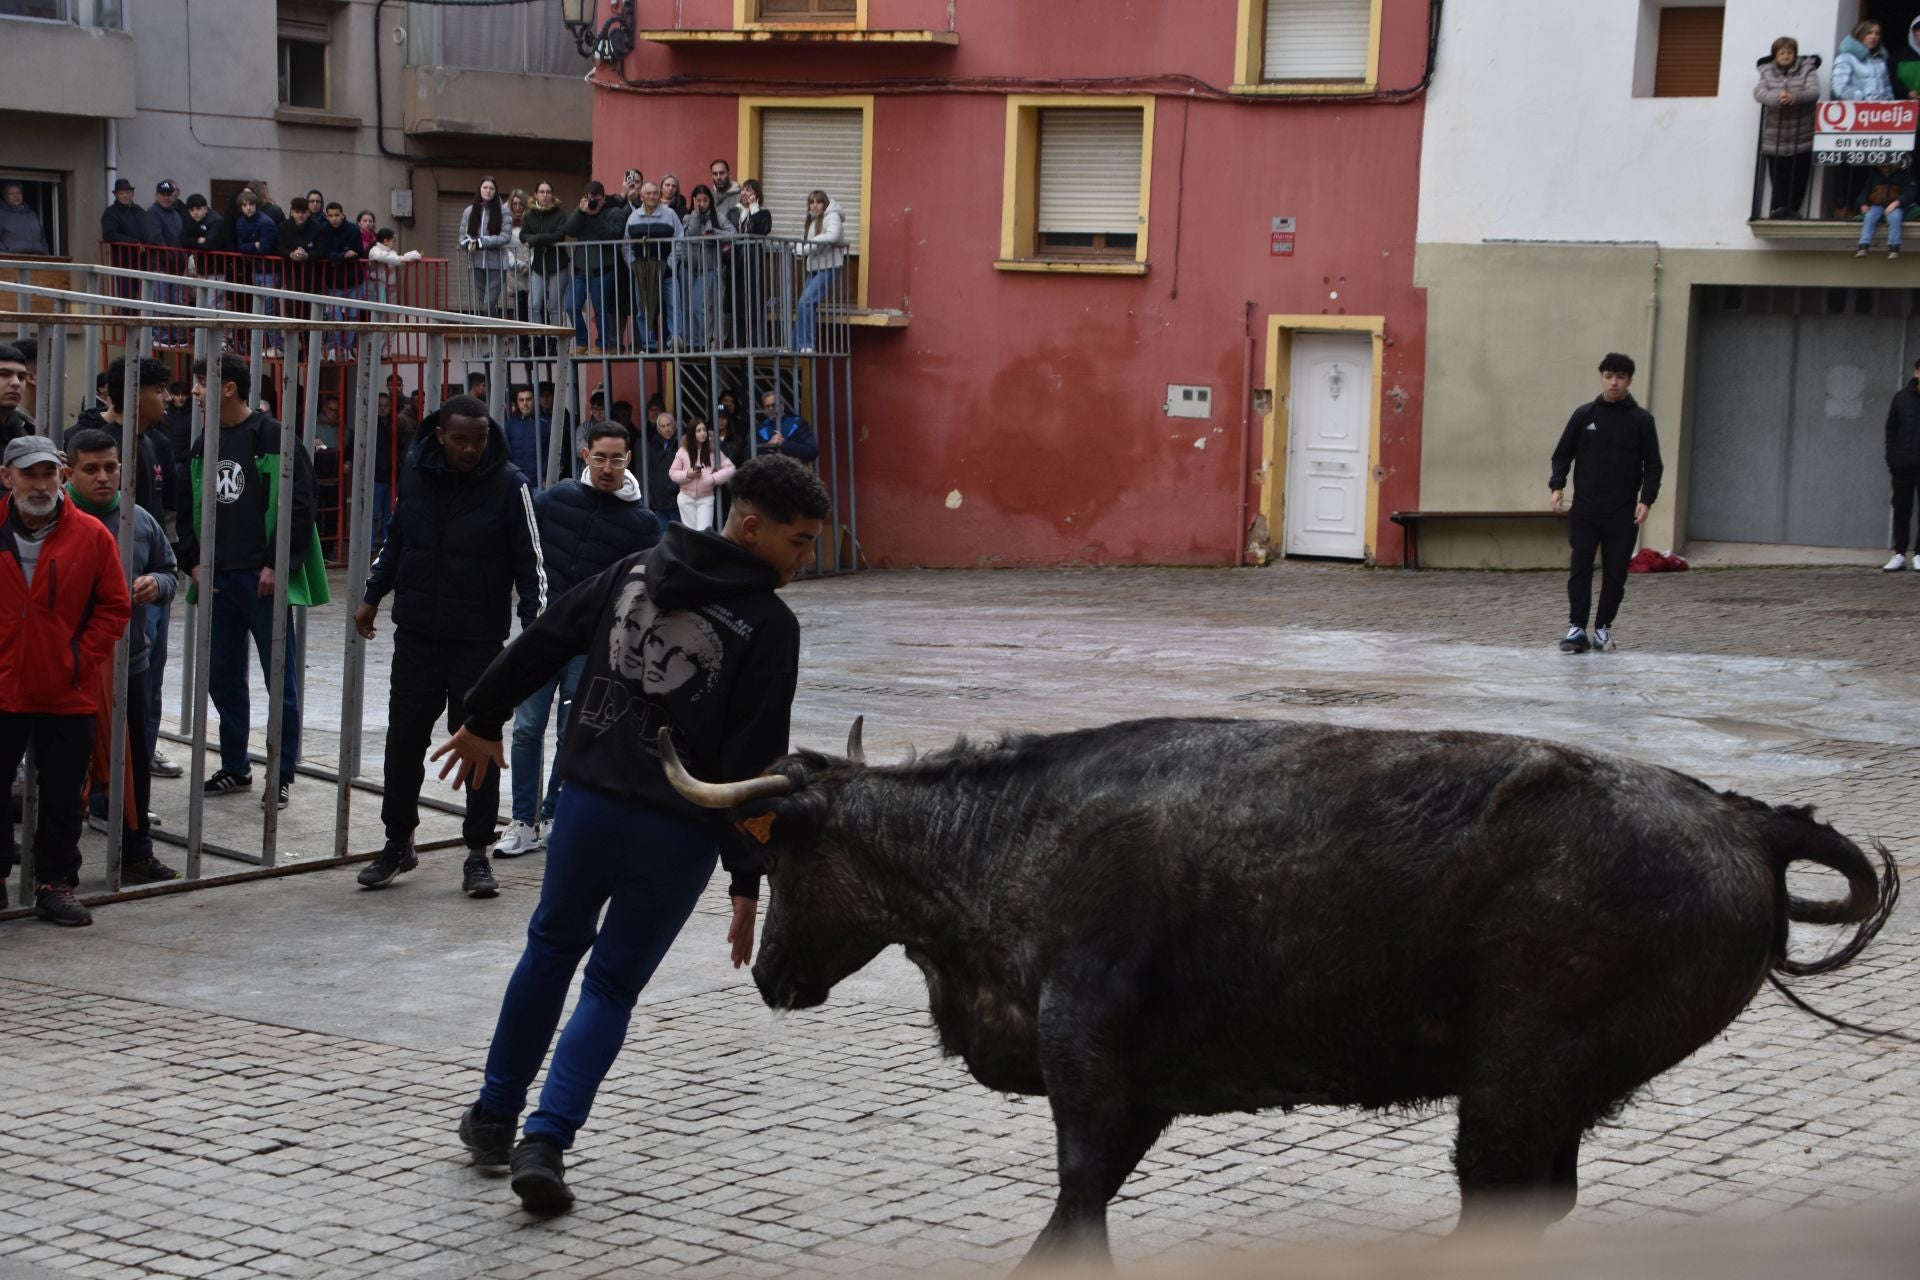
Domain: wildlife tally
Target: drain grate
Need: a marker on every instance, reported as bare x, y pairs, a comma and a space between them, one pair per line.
965, 692
1292, 695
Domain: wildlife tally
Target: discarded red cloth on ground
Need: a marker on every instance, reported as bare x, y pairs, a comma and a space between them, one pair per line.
1647, 560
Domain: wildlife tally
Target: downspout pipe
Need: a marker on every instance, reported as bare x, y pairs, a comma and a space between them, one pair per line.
1240, 531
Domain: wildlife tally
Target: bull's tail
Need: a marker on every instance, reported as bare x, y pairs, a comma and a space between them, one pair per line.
1794, 836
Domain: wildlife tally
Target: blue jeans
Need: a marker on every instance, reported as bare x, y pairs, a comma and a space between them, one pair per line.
158, 620
239, 610
1874, 214
648, 868
600, 289
382, 511
529, 739
343, 339
818, 285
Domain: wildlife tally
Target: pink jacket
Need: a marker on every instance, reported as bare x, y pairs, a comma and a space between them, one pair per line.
701, 485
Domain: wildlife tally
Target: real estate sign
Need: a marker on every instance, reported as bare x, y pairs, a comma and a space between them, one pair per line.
1864, 132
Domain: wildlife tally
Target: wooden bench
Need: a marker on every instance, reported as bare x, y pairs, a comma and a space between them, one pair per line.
1412, 520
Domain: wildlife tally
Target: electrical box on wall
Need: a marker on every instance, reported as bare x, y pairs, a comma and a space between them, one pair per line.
1184, 401
400, 202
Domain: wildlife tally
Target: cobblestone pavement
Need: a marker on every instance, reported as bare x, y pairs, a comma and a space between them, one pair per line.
262, 1081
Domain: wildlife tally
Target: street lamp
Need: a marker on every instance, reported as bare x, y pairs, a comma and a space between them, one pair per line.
611, 41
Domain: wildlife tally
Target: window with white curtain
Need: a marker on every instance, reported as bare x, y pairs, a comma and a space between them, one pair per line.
522, 39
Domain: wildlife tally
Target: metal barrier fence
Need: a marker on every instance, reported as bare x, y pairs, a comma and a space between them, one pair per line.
434, 351
298, 383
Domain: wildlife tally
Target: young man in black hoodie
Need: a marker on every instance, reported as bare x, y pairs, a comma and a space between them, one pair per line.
246, 511
462, 505
1611, 444
688, 636
1903, 464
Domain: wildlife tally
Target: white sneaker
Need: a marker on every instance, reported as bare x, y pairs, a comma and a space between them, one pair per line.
1899, 561
519, 839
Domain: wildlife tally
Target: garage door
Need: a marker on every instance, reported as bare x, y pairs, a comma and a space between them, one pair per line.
1790, 391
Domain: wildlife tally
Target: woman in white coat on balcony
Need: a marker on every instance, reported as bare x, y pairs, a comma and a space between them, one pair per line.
825, 252
1860, 72
484, 232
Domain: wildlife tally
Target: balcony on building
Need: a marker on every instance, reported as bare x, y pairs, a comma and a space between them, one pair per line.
796, 22
1816, 195
511, 71
67, 57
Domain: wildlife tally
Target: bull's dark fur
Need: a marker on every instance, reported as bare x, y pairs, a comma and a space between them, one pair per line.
1169, 917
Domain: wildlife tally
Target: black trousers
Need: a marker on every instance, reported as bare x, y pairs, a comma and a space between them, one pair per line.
1612, 534
1790, 175
1906, 484
63, 749
431, 676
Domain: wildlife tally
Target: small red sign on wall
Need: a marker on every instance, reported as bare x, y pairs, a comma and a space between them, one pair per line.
1280, 245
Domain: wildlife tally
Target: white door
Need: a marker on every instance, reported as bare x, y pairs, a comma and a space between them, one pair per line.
1328, 418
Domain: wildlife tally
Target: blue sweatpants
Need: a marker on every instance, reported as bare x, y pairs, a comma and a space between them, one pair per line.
648, 868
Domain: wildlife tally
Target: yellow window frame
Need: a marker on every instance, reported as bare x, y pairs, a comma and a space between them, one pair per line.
744, 20
1249, 57
1020, 185
749, 153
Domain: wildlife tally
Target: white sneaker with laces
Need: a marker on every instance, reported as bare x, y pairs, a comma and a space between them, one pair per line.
519, 839
1899, 561
1916, 564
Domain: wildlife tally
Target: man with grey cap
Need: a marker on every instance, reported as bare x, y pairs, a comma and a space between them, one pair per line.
62, 584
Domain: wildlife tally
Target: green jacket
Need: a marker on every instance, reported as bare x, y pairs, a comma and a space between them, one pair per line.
610, 224
307, 582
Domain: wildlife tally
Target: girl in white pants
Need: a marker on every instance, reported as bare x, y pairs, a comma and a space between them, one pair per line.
694, 470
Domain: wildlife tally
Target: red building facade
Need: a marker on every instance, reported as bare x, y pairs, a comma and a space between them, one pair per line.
1134, 278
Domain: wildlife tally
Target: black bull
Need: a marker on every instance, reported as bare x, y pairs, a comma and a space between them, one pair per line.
1185, 917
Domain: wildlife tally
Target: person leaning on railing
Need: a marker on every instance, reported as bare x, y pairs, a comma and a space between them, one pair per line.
544, 231
599, 226
1789, 87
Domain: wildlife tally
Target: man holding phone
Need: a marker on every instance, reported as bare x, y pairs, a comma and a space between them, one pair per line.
600, 226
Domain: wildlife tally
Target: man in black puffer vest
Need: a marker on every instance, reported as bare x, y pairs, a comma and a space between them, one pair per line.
586, 525
462, 503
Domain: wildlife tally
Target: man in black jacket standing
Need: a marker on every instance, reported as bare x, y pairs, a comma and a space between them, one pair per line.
688, 636
462, 503
1611, 444
1903, 462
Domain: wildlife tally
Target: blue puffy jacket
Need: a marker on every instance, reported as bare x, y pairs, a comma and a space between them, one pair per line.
255, 233
1859, 76
527, 446
584, 531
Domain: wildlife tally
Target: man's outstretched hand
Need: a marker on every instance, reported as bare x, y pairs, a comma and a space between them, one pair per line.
468, 755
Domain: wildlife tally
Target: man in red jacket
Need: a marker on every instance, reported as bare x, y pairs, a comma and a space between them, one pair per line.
65, 598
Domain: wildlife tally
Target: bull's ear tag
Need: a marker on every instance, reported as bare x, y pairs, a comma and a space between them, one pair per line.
760, 828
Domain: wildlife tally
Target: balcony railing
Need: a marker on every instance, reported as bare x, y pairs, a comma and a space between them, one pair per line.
1815, 194
706, 296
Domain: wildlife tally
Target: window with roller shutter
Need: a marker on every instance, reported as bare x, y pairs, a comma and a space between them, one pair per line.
1688, 62
811, 149
1317, 41
1088, 197
835, 11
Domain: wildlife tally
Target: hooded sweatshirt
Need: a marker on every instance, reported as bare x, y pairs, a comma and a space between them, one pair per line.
244, 506
1615, 454
1908, 72
688, 636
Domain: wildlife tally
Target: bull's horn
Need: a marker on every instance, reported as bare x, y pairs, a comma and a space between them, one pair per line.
717, 795
855, 751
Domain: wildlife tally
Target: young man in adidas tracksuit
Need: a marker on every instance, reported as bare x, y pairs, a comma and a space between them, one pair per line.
1614, 451
461, 542
688, 636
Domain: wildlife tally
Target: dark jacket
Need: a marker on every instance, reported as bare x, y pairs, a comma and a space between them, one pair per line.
124, 224
609, 224
688, 636
208, 233
796, 437
257, 234
302, 235
527, 440
1615, 455
584, 531
545, 232
151, 555
1903, 426
336, 243
14, 425
1885, 188
460, 544
663, 495
163, 225
155, 485
241, 512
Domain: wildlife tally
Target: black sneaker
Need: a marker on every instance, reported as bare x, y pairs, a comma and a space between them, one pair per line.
387, 864
279, 795
476, 878
1575, 641
224, 782
147, 871
490, 1140
540, 1176
56, 902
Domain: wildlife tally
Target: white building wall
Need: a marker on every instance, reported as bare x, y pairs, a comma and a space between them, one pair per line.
1534, 130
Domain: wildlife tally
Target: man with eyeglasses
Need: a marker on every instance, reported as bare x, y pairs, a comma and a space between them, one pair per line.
585, 526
